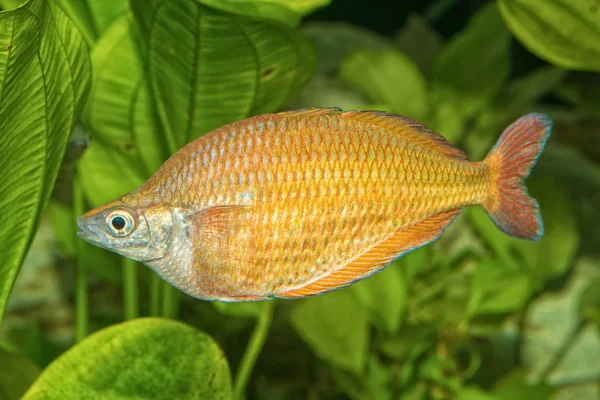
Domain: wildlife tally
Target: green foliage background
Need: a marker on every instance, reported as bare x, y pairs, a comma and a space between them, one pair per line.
96, 95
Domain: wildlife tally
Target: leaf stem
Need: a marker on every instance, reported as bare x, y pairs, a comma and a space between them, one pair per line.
170, 301
155, 286
130, 289
81, 299
253, 350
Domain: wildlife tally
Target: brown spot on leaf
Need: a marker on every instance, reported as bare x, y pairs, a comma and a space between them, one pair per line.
268, 72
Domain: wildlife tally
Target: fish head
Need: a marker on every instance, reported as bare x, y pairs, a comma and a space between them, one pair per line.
143, 234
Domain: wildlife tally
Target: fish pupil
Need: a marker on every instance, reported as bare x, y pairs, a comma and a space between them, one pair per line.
118, 223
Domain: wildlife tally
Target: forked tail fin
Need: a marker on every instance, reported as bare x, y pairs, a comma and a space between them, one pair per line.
510, 161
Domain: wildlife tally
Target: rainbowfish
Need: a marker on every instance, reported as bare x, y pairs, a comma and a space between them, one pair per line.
299, 203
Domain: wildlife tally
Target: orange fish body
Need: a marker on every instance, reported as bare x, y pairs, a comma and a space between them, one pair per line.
298, 203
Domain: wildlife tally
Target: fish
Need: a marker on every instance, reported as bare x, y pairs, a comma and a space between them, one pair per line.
299, 203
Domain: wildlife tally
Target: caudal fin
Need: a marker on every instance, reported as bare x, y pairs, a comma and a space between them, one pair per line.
510, 161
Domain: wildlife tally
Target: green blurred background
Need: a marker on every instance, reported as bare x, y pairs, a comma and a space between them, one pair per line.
476, 315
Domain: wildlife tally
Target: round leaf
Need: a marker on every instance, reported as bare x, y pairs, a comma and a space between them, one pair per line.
563, 32
144, 358
335, 326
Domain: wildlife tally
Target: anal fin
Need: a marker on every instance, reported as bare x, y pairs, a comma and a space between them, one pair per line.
379, 256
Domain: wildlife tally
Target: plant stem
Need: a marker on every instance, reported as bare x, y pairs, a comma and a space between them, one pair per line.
130, 289
155, 286
81, 299
253, 350
170, 301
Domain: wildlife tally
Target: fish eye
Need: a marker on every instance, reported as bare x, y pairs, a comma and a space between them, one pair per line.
120, 223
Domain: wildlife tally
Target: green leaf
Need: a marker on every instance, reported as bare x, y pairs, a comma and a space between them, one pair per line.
420, 42
44, 76
474, 393
556, 345
387, 77
144, 358
475, 65
93, 17
17, 373
589, 305
208, 68
496, 289
10, 4
108, 173
520, 390
335, 326
285, 11
563, 32
384, 297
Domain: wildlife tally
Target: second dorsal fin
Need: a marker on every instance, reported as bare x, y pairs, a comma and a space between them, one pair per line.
411, 128
312, 112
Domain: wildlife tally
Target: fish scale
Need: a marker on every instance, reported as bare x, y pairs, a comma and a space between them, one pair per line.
299, 203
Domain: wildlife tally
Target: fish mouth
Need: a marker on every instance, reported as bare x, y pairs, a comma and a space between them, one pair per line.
86, 233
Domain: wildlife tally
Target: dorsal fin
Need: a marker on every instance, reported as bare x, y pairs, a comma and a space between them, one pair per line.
379, 256
312, 112
421, 133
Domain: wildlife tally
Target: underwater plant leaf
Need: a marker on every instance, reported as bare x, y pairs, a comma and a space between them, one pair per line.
335, 327
17, 373
557, 345
143, 358
288, 12
589, 304
117, 72
563, 32
420, 42
108, 173
581, 89
208, 68
475, 64
10, 4
384, 297
496, 289
44, 76
387, 77
93, 17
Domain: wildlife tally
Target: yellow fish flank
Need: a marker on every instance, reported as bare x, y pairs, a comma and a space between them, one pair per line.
302, 202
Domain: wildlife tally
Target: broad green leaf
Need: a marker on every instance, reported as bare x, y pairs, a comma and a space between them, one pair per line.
556, 345
335, 326
10, 4
144, 358
44, 76
420, 42
17, 373
208, 68
108, 173
474, 393
520, 390
117, 72
380, 378
285, 11
387, 77
384, 297
333, 42
93, 17
496, 289
589, 305
475, 65
563, 32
